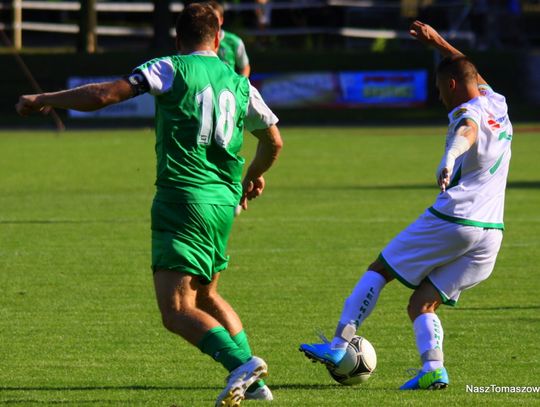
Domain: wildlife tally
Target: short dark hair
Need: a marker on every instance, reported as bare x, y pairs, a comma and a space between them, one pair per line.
217, 6
197, 24
458, 67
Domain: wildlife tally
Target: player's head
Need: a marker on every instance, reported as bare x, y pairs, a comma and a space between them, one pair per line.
455, 74
219, 9
197, 27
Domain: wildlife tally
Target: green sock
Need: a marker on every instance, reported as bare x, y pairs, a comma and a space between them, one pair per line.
218, 344
242, 342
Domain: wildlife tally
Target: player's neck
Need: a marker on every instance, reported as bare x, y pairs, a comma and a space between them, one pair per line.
465, 95
196, 48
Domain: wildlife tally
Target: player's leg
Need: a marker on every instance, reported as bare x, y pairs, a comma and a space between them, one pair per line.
240, 385
176, 294
209, 300
444, 285
428, 331
183, 259
357, 307
409, 257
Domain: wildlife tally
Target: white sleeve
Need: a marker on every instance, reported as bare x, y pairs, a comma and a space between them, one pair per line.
241, 57
466, 111
160, 76
472, 113
259, 116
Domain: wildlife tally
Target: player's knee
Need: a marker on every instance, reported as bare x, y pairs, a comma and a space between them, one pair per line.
168, 321
412, 310
378, 267
173, 317
207, 300
418, 306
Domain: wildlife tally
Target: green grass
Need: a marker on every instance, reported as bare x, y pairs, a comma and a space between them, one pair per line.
78, 321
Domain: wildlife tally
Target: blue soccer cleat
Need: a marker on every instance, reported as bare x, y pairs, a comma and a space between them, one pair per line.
322, 352
434, 380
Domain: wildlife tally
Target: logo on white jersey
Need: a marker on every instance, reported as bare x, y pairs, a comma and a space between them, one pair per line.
493, 124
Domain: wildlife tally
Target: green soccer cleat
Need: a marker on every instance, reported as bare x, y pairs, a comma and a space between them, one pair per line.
434, 380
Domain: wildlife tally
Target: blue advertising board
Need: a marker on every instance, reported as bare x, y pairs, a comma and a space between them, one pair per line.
343, 89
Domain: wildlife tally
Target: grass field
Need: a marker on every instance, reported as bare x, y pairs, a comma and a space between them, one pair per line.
78, 321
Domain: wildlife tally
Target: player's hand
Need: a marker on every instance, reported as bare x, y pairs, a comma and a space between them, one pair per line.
444, 179
251, 190
423, 32
31, 104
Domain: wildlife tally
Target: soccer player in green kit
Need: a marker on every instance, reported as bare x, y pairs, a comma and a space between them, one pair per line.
202, 107
231, 50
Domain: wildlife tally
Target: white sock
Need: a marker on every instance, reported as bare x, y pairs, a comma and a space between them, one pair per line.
429, 335
360, 303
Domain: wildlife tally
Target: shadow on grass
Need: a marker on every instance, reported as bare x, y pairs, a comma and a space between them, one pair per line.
390, 187
330, 386
99, 388
505, 308
52, 402
293, 386
68, 221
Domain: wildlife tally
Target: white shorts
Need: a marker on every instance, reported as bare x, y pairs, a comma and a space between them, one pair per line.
452, 257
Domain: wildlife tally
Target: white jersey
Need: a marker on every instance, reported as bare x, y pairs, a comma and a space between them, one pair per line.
475, 196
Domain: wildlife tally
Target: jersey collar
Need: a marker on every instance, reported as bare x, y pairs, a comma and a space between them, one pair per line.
205, 53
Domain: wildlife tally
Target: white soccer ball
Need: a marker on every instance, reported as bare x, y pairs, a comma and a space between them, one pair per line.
358, 363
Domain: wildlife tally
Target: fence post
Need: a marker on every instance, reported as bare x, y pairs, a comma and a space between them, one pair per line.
161, 22
17, 24
87, 39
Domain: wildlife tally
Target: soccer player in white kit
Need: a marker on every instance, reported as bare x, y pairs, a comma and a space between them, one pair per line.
454, 244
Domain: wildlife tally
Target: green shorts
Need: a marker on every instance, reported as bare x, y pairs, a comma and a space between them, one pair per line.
191, 238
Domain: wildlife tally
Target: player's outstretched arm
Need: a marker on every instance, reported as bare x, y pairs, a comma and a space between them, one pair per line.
427, 35
464, 137
268, 148
85, 98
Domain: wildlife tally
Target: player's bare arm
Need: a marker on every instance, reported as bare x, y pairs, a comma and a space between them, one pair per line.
245, 71
464, 137
85, 98
268, 148
428, 36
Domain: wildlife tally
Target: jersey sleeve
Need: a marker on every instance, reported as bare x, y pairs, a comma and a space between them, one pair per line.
159, 73
466, 111
259, 115
241, 58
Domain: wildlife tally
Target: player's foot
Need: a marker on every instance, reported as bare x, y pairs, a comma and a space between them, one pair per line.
322, 352
239, 380
260, 393
434, 380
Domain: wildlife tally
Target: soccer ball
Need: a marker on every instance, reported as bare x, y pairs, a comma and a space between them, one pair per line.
357, 365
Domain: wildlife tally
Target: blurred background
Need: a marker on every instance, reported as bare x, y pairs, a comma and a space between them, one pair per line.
351, 60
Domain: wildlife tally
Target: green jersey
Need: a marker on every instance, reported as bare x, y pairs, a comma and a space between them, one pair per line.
200, 109
232, 51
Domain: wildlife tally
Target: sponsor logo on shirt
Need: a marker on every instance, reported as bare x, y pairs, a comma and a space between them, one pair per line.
493, 123
458, 113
